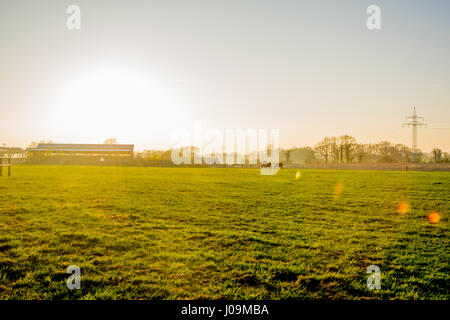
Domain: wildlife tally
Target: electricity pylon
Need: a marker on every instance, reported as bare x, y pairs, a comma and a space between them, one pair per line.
415, 122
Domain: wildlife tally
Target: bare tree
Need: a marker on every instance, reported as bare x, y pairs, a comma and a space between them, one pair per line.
334, 148
288, 156
437, 154
324, 148
346, 146
33, 144
111, 141
361, 151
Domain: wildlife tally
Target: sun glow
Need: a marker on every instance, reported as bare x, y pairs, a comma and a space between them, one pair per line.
338, 190
114, 102
402, 208
434, 217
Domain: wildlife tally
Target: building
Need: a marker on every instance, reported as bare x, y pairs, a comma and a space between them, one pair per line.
69, 149
12, 152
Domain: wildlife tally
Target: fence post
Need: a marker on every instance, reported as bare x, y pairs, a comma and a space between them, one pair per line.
9, 167
1, 167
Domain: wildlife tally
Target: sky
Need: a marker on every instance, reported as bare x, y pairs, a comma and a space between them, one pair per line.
140, 70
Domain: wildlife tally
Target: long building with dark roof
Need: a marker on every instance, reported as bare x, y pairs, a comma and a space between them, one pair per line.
82, 149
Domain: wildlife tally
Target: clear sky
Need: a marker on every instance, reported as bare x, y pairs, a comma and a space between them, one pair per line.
138, 70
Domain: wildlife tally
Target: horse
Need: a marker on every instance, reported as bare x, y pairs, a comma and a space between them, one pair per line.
269, 164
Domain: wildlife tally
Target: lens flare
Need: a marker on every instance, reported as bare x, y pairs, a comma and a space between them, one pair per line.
402, 207
338, 190
434, 217
298, 175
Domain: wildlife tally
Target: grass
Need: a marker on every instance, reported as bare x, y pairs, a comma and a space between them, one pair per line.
187, 233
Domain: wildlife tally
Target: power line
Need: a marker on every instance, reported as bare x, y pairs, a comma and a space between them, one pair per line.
438, 128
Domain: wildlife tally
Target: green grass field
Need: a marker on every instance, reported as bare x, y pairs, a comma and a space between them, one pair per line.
187, 233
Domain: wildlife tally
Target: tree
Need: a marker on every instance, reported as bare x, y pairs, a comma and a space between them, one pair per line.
111, 141
402, 152
362, 151
301, 155
288, 156
384, 149
334, 149
347, 144
323, 148
437, 154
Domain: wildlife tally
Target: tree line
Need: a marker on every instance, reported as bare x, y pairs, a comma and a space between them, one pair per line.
345, 149
333, 150
342, 149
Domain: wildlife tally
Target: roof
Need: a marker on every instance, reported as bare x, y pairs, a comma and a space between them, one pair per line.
83, 147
